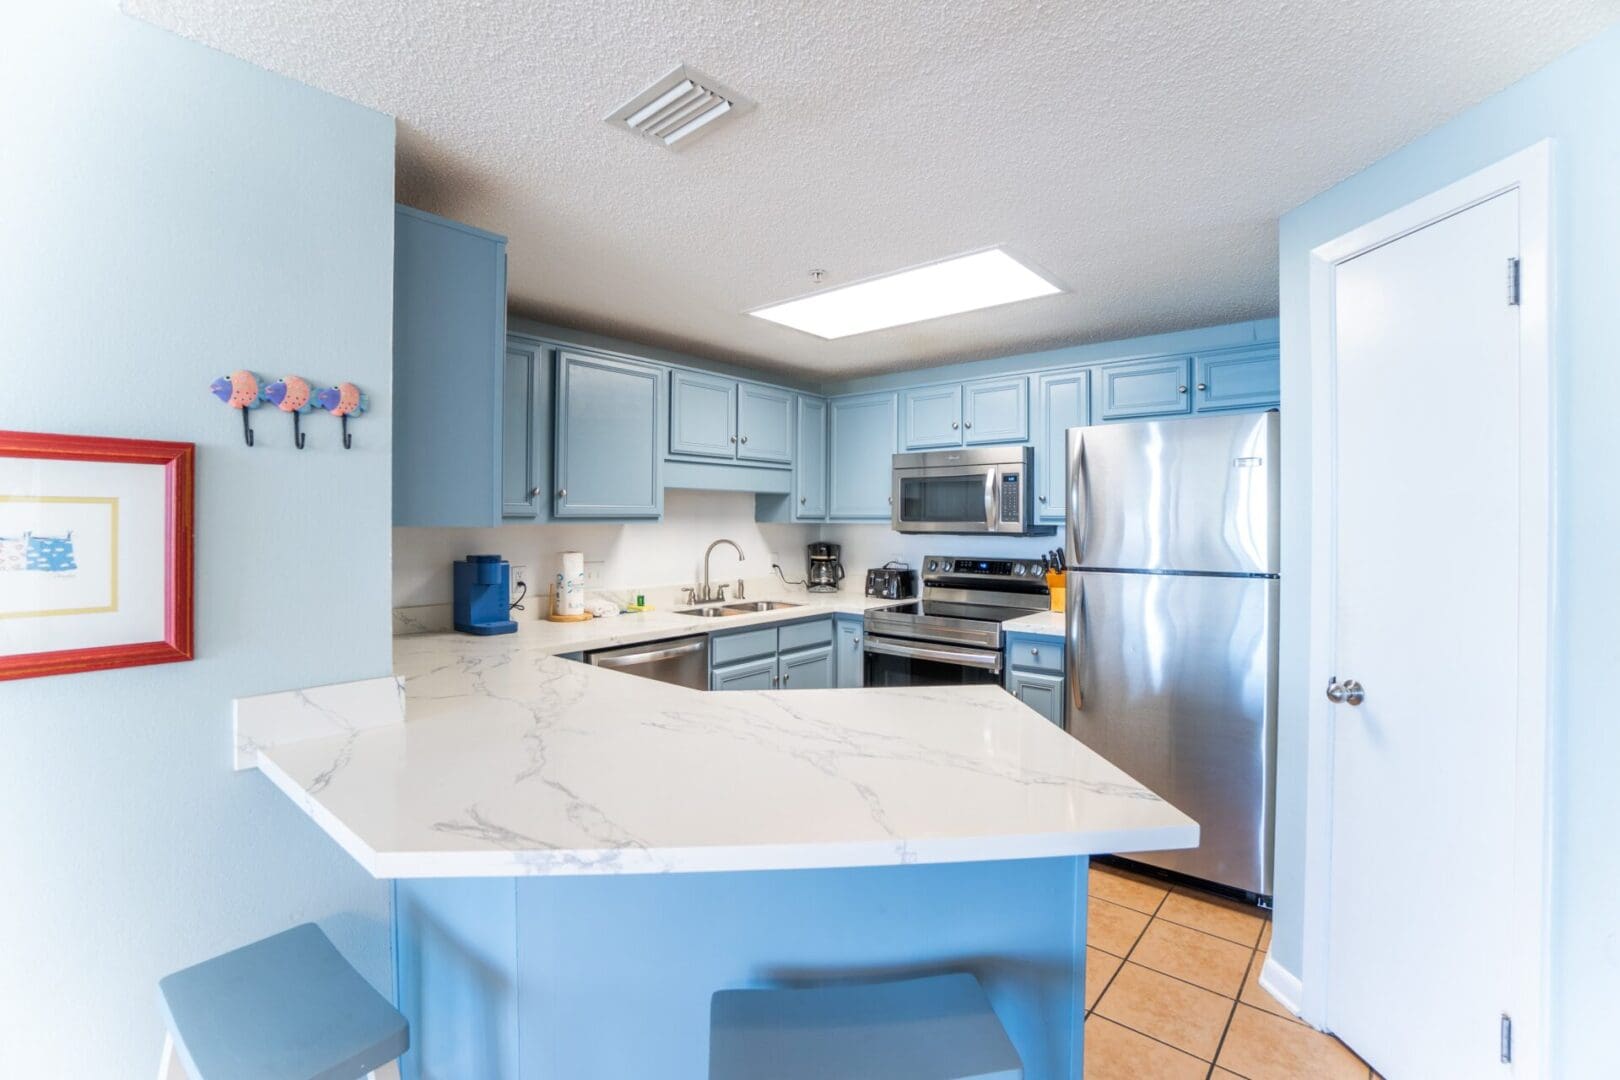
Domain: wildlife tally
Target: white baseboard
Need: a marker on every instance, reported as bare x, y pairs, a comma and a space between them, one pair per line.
1281, 984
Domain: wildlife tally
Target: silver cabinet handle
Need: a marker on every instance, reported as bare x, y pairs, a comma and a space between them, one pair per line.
1348, 692
1040, 498
745, 438
734, 438
1182, 389
785, 680
967, 423
954, 425
1034, 652
534, 493
1203, 386
776, 681
801, 500
562, 493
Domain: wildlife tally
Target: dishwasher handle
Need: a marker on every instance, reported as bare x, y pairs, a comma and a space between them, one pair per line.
632, 659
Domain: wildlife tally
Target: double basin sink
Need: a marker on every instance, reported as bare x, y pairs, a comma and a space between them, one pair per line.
741, 607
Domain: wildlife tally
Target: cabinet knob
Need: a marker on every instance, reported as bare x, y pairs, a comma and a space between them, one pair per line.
953, 425
1182, 389
734, 438
1035, 652
1040, 498
534, 493
1203, 386
967, 423
745, 438
562, 493
784, 680
802, 500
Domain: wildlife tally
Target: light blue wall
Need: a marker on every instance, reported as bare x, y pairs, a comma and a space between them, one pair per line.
167, 213
1576, 102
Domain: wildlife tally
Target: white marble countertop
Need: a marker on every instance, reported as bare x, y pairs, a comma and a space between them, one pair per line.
513, 761
1042, 623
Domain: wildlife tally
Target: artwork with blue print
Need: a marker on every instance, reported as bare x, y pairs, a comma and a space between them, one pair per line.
30, 552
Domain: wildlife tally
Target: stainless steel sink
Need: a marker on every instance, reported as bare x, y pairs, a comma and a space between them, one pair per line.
710, 611
748, 607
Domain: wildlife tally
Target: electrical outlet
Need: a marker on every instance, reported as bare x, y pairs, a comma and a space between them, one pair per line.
520, 576
593, 573
776, 560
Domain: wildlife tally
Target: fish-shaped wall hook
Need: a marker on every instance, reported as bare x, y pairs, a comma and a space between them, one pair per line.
291, 394
239, 390
342, 401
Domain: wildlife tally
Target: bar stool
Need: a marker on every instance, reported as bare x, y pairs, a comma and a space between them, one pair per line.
936, 1028
285, 1008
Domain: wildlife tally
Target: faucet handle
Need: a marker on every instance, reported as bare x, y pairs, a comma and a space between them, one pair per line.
691, 594
720, 593
740, 589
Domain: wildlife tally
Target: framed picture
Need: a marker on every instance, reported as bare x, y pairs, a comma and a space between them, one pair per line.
95, 553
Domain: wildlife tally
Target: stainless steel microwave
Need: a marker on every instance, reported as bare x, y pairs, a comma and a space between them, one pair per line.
984, 489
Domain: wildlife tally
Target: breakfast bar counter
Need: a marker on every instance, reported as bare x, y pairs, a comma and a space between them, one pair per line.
583, 857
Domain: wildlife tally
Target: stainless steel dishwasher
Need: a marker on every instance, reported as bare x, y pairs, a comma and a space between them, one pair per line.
682, 661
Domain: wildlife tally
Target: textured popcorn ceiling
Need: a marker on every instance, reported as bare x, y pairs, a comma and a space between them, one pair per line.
1139, 152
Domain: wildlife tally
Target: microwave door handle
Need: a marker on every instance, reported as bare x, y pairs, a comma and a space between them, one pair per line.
990, 485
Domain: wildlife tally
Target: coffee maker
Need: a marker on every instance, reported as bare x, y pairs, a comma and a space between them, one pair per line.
825, 569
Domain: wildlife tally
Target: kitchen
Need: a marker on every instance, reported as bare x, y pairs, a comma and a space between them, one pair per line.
733, 591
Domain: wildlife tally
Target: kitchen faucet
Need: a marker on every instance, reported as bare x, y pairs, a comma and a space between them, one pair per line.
707, 595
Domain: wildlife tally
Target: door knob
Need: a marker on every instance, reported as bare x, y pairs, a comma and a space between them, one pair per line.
1348, 692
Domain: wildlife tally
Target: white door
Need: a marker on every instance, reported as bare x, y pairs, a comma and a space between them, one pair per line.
1426, 510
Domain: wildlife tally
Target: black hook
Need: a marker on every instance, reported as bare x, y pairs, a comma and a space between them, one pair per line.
348, 441
247, 432
298, 436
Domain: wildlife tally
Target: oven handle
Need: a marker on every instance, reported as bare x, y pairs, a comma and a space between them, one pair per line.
962, 657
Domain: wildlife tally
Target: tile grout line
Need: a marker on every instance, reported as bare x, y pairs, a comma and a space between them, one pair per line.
1226, 1029
1154, 914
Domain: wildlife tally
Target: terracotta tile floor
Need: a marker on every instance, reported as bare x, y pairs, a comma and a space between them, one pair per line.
1173, 991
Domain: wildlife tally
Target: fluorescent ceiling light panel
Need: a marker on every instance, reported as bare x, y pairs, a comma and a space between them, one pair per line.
965, 283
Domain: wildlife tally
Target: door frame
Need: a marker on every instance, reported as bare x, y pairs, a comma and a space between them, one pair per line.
1528, 172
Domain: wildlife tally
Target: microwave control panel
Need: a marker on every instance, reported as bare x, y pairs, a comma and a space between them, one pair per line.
1011, 499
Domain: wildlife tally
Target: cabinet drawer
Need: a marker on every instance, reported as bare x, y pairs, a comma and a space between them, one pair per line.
743, 645
805, 635
1031, 654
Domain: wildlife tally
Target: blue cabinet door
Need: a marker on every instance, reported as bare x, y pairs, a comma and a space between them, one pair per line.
526, 432
1062, 401
808, 669
1241, 379
810, 460
1144, 388
702, 415
449, 349
860, 448
1041, 692
995, 411
764, 423
849, 662
608, 437
752, 675
931, 416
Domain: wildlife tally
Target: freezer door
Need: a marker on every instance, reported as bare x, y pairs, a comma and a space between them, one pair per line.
1194, 495
1173, 678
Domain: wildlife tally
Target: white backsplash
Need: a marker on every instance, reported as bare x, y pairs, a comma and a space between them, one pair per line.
618, 557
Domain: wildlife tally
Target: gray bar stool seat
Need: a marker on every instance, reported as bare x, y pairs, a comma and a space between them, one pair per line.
936, 1028
285, 1008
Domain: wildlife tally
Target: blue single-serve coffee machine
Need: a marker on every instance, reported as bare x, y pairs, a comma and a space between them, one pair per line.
483, 595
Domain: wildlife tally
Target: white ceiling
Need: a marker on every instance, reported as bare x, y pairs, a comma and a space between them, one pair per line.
1139, 152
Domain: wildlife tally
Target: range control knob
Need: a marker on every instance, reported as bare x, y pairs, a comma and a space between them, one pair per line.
1018, 569
933, 565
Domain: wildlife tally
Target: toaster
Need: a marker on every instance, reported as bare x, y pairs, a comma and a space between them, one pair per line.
891, 583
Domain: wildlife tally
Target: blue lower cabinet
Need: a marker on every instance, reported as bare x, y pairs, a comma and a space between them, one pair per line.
849, 660
860, 441
1144, 388
807, 669
609, 436
1240, 379
1040, 691
748, 675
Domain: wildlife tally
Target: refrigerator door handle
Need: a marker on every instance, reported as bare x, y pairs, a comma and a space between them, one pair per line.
1075, 624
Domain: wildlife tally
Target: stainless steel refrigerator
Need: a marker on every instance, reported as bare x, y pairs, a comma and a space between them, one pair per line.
1172, 625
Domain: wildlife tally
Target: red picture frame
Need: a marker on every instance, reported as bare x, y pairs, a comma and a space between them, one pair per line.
178, 461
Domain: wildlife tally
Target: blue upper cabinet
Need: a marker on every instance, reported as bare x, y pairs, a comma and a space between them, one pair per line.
764, 423
702, 414
1141, 389
526, 431
860, 443
1238, 379
995, 411
609, 436
1062, 401
449, 371
810, 460
930, 417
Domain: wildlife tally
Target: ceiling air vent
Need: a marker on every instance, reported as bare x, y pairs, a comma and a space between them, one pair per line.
679, 107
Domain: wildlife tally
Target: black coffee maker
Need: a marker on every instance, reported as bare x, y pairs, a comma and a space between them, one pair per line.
825, 569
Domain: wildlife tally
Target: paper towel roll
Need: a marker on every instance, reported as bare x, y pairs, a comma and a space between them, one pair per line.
569, 594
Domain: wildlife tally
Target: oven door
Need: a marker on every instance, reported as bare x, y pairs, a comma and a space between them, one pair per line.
901, 662
945, 499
